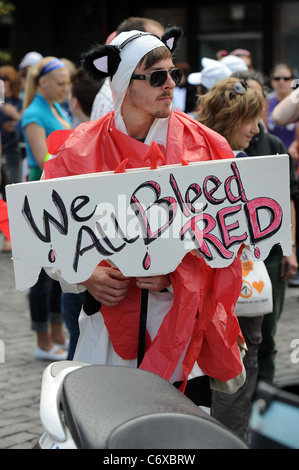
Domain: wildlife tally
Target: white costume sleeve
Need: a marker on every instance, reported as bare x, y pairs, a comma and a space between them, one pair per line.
65, 286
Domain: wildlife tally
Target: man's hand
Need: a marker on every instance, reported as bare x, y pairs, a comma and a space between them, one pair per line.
107, 285
153, 283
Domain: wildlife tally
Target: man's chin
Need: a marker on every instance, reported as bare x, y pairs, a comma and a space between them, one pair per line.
163, 113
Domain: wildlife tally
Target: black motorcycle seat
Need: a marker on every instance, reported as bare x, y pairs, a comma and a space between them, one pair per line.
111, 407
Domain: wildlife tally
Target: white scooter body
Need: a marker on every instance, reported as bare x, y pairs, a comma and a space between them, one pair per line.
111, 407
57, 435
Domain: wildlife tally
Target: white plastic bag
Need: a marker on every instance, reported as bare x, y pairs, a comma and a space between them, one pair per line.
256, 294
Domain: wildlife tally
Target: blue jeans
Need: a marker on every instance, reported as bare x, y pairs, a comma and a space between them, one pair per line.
71, 305
44, 303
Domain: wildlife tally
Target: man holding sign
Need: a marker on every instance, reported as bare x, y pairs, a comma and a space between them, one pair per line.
192, 332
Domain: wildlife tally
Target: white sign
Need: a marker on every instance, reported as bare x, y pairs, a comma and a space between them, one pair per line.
145, 221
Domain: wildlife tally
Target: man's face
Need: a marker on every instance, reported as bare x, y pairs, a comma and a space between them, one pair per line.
148, 101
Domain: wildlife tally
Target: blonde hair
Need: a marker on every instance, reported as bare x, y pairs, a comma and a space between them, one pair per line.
70, 65
32, 79
224, 112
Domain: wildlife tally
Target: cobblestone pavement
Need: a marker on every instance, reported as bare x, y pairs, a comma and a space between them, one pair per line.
20, 373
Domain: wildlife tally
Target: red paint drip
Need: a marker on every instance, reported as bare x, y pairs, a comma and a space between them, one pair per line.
146, 263
257, 252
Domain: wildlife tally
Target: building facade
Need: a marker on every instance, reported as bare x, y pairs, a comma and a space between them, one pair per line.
269, 29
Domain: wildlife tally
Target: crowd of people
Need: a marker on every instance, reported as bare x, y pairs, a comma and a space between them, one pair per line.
225, 104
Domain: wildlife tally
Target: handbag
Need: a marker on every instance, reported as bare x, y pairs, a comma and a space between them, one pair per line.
256, 294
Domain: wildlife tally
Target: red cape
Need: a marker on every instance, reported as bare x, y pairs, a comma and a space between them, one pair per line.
98, 146
4, 224
204, 298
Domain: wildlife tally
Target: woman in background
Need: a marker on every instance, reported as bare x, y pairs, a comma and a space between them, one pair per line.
235, 109
47, 84
281, 78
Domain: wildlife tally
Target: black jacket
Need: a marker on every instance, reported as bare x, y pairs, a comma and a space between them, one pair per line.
269, 144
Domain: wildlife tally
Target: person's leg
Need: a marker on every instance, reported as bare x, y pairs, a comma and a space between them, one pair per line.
71, 305
39, 306
55, 314
39, 301
267, 350
233, 410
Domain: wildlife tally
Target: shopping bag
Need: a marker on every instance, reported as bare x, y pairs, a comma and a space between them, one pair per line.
256, 294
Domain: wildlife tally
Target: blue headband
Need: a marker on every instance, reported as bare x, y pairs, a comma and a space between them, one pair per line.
52, 65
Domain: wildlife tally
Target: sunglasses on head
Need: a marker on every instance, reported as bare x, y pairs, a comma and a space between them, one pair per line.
157, 78
239, 88
286, 79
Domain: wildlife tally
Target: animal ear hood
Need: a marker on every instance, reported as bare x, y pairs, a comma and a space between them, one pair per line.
171, 37
103, 61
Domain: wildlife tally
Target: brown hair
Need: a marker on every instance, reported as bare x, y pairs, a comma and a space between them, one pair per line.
141, 24
281, 66
85, 90
12, 75
223, 112
154, 56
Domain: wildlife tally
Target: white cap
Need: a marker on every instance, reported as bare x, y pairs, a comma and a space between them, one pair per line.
212, 72
235, 63
30, 59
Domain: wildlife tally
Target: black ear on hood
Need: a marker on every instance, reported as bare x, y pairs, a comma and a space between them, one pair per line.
171, 37
101, 61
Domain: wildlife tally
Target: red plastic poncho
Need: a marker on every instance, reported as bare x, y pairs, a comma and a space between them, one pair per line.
204, 298
4, 224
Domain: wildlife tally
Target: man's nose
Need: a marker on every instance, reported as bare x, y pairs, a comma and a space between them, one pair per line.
169, 82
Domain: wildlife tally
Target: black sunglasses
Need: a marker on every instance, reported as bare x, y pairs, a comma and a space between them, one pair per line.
286, 79
158, 77
4, 79
240, 88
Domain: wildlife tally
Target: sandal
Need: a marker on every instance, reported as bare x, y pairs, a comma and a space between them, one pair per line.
65, 346
51, 355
